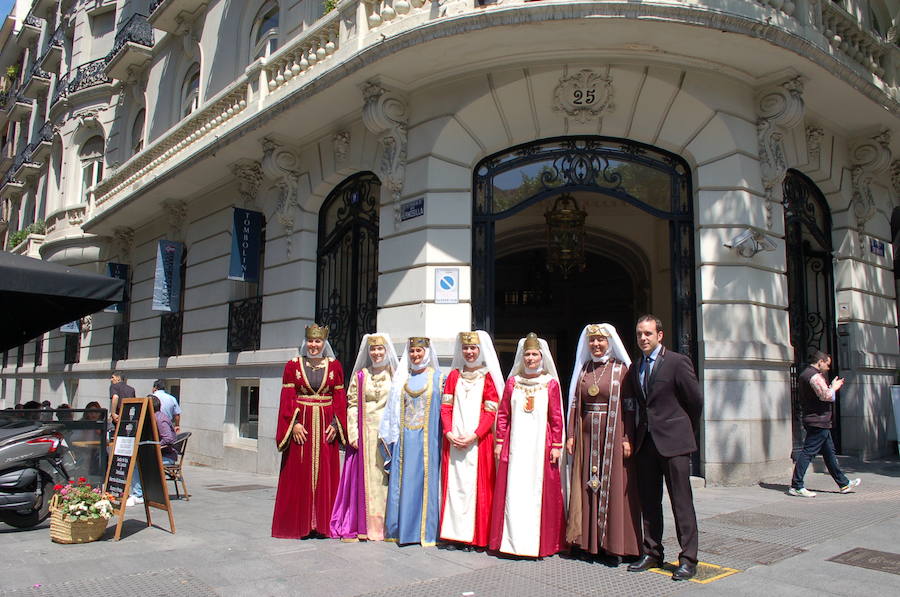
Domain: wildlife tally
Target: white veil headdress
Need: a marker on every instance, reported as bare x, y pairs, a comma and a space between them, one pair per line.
547, 363
583, 354
389, 430
364, 360
487, 358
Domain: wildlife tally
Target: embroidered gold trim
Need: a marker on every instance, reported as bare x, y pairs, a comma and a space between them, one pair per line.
490, 406
446, 398
283, 443
287, 385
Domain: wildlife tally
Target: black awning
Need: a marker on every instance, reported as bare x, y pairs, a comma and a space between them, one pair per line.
37, 296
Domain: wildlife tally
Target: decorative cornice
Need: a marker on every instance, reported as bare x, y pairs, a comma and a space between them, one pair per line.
779, 107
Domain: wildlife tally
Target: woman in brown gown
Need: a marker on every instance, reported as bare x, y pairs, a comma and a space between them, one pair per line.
604, 506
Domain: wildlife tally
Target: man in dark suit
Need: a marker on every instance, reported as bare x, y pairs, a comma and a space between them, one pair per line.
664, 391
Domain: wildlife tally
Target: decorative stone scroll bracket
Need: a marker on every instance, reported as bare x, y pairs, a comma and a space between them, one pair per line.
780, 107
385, 114
249, 174
869, 156
282, 165
123, 239
814, 135
176, 214
341, 142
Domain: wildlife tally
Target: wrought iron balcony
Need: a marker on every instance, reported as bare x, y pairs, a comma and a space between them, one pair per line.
88, 75
24, 165
244, 324
30, 31
132, 48
49, 60
170, 325
42, 6
43, 142
37, 83
18, 106
172, 15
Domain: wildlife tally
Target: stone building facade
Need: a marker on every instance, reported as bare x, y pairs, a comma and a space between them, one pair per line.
733, 159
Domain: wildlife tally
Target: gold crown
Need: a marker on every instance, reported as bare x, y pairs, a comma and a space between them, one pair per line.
597, 330
316, 331
377, 341
531, 342
469, 338
420, 341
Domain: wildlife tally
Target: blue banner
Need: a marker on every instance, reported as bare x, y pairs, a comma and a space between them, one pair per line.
246, 238
120, 271
167, 283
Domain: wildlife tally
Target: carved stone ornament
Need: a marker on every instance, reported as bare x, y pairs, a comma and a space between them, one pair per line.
584, 96
86, 323
895, 178
124, 243
385, 114
282, 165
869, 156
779, 107
814, 136
341, 147
250, 175
176, 214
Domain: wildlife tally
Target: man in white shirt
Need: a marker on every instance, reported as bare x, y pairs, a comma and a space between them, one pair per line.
168, 404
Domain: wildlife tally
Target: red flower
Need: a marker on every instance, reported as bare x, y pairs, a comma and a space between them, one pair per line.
57, 487
71, 482
82, 480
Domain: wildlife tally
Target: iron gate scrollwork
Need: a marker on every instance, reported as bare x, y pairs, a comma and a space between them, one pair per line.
347, 276
810, 284
648, 178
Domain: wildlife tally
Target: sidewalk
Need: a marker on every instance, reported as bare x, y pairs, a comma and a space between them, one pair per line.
781, 545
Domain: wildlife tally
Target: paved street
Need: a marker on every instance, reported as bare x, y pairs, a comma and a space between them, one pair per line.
780, 545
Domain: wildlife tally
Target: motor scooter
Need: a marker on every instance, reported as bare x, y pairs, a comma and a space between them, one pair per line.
31, 453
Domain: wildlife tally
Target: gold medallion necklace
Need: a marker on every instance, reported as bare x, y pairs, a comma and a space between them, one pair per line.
594, 389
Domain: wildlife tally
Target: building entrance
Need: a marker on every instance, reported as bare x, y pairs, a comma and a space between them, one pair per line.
637, 242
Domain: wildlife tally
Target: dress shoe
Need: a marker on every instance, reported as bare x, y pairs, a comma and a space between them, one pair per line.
645, 563
685, 571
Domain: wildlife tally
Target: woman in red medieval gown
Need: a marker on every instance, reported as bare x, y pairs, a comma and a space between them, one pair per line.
312, 420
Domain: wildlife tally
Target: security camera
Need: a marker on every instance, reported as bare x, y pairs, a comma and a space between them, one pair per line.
750, 242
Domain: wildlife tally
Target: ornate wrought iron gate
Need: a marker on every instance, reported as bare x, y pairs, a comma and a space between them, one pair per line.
810, 285
347, 277
653, 180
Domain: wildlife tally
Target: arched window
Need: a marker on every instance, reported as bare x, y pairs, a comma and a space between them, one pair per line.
190, 90
137, 132
264, 35
91, 156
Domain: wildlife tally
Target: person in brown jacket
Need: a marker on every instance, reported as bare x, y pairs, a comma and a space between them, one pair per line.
669, 404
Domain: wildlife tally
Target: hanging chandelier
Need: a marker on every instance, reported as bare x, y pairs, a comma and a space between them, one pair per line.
565, 235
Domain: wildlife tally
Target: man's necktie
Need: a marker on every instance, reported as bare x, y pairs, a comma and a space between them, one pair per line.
646, 382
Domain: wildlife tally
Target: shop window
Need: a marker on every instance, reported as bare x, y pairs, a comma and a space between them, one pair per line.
248, 411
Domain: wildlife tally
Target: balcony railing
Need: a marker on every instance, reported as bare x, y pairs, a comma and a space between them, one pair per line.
136, 30
89, 74
49, 60
244, 324
170, 334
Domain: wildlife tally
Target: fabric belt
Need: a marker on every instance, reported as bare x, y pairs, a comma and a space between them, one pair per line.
595, 408
314, 400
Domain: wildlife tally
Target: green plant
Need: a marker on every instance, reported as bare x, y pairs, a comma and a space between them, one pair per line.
12, 71
39, 227
329, 5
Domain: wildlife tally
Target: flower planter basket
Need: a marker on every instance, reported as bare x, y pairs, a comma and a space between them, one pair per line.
63, 530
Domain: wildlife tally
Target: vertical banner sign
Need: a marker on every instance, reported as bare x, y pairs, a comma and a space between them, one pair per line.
120, 271
73, 327
167, 283
246, 237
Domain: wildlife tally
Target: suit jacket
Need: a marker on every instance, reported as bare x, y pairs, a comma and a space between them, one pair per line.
670, 412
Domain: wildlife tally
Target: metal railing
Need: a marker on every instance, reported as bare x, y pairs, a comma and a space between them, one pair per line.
137, 30
89, 74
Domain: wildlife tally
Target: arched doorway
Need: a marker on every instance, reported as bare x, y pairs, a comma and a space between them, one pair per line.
639, 247
807, 224
347, 275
